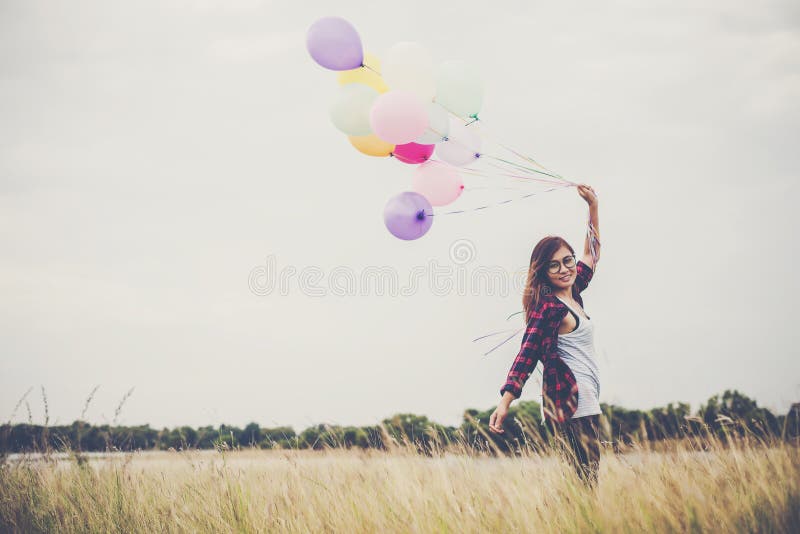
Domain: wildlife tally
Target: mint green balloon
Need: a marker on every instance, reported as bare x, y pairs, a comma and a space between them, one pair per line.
438, 125
459, 88
350, 109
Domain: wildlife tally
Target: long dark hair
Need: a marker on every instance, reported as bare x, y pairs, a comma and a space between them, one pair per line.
538, 283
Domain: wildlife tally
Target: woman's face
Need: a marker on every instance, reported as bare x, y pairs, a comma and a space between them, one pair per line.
565, 277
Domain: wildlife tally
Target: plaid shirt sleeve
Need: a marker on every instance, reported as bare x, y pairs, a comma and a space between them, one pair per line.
540, 335
583, 276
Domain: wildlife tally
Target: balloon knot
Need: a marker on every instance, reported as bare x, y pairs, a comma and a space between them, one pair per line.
477, 155
474, 116
445, 138
421, 215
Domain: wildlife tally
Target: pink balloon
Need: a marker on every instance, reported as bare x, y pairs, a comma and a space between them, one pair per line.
413, 153
398, 117
437, 181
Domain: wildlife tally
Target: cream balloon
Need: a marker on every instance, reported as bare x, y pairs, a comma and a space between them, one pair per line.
409, 66
351, 108
368, 74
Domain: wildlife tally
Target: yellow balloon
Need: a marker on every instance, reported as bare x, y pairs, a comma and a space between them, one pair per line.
365, 75
371, 145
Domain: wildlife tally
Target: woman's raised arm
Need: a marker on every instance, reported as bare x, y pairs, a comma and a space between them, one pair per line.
588, 194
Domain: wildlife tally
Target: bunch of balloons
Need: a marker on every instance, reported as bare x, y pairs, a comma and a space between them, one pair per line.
403, 107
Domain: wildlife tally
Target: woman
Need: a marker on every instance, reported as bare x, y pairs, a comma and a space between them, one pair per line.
560, 334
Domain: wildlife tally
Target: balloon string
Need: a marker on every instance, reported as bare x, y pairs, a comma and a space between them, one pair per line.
487, 174
530, 170
495, 333
373, 70
504, 341
516, 166
515, 313
475, 119
499, 203
531, 160
505, 146
527, 178
593, 242
493, 188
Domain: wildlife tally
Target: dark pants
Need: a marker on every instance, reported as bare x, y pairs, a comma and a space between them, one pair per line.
581, 435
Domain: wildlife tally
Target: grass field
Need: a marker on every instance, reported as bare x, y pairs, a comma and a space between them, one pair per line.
743, 487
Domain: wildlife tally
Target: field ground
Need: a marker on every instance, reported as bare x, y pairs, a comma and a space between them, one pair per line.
740, 488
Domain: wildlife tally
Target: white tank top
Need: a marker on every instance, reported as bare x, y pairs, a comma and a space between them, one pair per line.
576, 349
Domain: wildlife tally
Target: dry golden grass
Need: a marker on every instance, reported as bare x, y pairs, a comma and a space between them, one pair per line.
745, 487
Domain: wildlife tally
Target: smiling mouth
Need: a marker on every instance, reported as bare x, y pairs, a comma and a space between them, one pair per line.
565, 278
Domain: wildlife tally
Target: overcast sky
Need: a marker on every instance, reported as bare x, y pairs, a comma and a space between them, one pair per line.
155, 154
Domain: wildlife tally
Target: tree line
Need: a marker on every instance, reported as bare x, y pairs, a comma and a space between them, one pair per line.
721, 415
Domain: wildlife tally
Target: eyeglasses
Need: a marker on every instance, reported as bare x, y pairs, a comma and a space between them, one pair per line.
554, 266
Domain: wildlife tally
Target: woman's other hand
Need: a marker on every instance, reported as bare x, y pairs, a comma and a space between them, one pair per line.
497, 418
588, 194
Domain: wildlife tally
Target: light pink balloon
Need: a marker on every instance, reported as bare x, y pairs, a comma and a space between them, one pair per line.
413, 153
398, 117
437, 181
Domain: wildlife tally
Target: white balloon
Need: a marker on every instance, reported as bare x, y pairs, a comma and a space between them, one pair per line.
438, 125
409, 66
351, 108
462, 147
459, 89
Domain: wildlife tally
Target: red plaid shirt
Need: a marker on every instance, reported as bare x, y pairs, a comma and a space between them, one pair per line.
559, 388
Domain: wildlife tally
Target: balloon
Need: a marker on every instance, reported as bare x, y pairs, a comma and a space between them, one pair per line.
439, 182
334, 43
459, 89
351, 107
367, 76
407, 215
409, 66
398, 117
438, 125
462, 147
371, 145
413, 153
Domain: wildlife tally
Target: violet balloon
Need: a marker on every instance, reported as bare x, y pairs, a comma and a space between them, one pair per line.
413, 153
335, 44
407, 215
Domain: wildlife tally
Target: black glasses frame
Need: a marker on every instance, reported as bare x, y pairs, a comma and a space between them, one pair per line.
556, 264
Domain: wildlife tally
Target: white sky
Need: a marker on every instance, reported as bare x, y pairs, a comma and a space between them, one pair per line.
153, 153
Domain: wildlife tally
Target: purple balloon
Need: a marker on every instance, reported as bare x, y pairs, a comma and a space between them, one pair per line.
408, 215
334, 43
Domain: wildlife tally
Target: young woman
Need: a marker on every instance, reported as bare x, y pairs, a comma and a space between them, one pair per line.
559, 333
